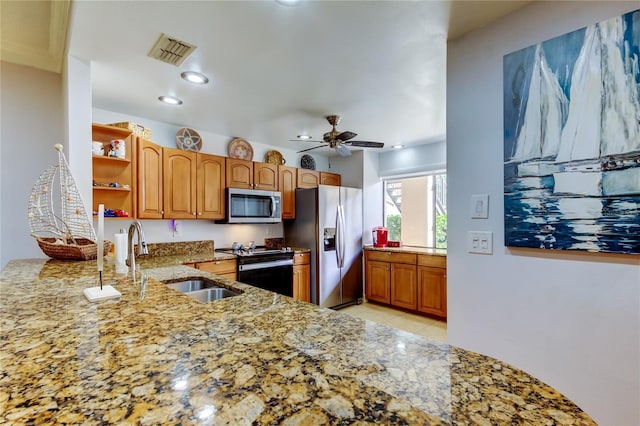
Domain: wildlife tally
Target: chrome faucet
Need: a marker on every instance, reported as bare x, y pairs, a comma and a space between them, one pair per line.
142, 245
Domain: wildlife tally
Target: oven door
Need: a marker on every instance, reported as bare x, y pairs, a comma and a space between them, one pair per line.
276, 276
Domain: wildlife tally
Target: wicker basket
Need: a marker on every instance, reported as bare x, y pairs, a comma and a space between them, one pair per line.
137, 129
84, 250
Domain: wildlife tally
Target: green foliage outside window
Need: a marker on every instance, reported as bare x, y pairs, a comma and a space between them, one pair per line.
441, 231
394, 225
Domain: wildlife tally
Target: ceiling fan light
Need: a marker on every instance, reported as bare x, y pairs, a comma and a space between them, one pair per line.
171, 100
304, 137
194, 77
343, 150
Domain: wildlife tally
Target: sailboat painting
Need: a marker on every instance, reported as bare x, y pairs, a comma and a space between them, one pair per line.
572, 140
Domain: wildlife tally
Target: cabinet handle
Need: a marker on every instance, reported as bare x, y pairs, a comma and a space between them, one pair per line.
199, 213
194, 213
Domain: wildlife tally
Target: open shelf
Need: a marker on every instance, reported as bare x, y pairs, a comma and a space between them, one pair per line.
109, 188
111, 159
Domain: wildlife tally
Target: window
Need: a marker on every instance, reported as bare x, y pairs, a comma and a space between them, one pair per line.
415, 210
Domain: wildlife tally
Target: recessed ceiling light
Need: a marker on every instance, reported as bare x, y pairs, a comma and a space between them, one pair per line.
397, 146
288, 2
171, 100
304, 137
194, 77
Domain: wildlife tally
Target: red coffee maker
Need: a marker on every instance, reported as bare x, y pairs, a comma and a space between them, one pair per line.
380, 236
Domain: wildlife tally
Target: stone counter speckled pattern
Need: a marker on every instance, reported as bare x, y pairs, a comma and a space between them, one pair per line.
160, 357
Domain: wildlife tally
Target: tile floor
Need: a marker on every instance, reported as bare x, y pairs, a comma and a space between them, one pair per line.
416, 324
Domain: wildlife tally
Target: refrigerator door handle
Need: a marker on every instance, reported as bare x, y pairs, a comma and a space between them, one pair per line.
340, 245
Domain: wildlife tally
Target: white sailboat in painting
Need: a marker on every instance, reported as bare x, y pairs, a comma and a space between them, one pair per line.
539, 137
599, 153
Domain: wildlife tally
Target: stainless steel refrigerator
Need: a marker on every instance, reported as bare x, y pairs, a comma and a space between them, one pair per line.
329, 222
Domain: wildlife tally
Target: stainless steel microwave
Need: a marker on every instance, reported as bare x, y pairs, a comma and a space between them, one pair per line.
253, 206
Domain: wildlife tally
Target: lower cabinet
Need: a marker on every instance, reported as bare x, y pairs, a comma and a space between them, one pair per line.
407, 280
302, 276
225, 268
432, 285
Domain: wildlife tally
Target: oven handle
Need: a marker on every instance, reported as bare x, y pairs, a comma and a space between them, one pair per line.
265, 265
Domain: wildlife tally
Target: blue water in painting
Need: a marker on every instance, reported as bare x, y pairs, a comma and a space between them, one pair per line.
536, 218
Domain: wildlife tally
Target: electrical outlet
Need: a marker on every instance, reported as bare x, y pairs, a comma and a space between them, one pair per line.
480, 242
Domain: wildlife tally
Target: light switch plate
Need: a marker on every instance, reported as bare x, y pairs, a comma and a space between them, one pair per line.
480, 242
479, 208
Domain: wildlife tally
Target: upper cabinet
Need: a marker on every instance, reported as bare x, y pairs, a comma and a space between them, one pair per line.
327, 178
252, 175
287, 180
265, 176
239, 173
210, 176
113, 176
179, 184
308, 178
150, 175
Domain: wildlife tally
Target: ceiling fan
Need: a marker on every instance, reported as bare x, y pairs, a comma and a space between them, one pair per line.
341, 140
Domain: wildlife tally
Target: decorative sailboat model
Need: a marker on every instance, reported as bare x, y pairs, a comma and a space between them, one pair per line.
69, 235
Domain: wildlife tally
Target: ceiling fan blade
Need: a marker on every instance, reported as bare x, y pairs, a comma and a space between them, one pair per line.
345, 136
305, 140
366, 144
309, 149
343, 151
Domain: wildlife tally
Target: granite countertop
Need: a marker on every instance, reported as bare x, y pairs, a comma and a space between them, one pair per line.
410, 249
157, 356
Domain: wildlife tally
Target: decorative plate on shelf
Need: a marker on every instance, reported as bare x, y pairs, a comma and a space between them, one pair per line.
307, 162
274, 157
241, 149
188, 140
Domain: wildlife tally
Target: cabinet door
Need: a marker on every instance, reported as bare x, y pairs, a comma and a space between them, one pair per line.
222, 268
265, 176
210, 176
330, 178
302, 282
150, 176
403, 285
179, 184
378, 281
239, 173
432, 290
308, 178
287, 186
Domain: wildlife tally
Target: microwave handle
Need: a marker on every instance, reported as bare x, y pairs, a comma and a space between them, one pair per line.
273, 206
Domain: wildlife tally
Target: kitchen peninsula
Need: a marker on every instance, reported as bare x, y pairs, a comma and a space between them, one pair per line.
157, 356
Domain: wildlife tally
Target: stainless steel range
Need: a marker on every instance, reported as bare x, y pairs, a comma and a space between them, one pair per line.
265, 268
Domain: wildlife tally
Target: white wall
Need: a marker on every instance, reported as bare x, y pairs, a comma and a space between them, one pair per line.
32, 122
423, 158
570, 319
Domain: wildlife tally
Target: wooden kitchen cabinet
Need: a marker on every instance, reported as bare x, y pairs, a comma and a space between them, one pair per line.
239, 173
210, 174
403, 285
307, 178
225, 268
327, 178
378, 281
287, 180
179, 184
302, 276
110, 170
193, 185
265, 176
149, 180
432, 285
252, 175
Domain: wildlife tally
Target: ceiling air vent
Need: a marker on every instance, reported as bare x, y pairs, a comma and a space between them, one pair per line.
171, 50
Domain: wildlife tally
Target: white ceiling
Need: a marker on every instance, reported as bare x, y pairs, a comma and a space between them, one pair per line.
276, 70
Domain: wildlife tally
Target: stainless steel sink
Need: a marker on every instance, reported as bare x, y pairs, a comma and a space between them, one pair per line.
202, 290
191, 285
211, 294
